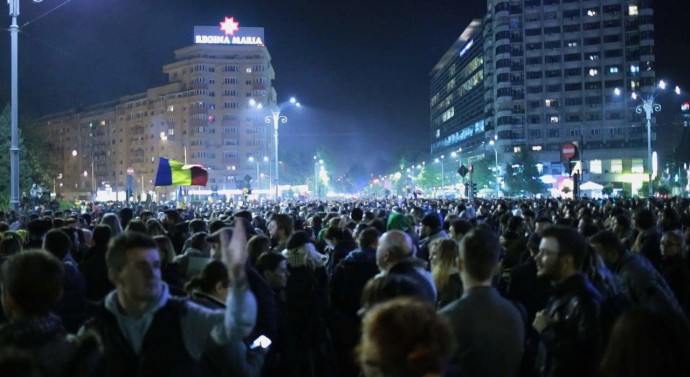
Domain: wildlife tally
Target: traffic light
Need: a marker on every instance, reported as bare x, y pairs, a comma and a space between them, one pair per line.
474, 187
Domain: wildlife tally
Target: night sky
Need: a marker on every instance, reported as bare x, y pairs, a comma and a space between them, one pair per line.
359, 67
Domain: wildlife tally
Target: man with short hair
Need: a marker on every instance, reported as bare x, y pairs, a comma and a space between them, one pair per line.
489, 330
395, 256
145, 331
431, 230
638, 280
458, 228
569, 327
31, 284
648, 241
280, 228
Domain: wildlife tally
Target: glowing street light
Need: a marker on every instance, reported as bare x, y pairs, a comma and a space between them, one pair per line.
276, 118
649, 107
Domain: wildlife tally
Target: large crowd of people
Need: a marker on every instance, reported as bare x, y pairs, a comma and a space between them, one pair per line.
374, 288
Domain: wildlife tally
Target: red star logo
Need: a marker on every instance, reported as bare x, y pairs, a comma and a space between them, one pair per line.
229, 26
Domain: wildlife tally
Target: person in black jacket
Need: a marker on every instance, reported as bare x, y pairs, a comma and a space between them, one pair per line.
569, 327
31, 285
639, 281
94, 268
346, 285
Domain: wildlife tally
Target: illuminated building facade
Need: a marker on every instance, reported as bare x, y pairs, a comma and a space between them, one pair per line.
201, 116
550, 73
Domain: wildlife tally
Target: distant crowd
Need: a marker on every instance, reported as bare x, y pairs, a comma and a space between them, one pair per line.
374, 288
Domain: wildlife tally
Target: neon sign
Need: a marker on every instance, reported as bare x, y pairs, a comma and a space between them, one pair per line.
229, 33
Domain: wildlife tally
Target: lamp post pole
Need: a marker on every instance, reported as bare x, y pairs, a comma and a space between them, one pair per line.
649, 108
276, 119
14, 147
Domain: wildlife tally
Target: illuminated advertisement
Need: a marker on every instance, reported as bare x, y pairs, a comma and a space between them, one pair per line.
229, 33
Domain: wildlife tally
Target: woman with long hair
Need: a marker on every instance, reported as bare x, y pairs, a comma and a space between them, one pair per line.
155, 228
111, 220
443, 256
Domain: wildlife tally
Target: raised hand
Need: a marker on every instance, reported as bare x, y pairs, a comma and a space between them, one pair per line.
234, 251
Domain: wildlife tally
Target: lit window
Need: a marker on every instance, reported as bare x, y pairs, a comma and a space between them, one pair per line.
595, 167
591, 12
231, 167
637, 166
550, 103
249, 70
634, 68
554, 119
594, 57
632, 10
517, 149
613, 69
572, 44
616, 166
438, 133
593, 72
634, 84
536, 148
448, 114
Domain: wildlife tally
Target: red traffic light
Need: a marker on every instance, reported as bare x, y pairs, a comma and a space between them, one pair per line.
685, 106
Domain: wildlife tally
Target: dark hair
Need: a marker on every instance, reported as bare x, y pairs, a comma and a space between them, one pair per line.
269, 261
570, 242
198, 240
515, 223
34, 280
116, 257
357, 214
101, 235
197, 225
368, 236
256, 246
461, 226
216, 225
284, 222
609, 241
644, 219
136, 226
646, 343
58, 243
386, 287
10, 246
480, 250
213, 273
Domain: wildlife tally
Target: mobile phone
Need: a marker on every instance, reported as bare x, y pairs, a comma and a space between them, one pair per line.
261, 342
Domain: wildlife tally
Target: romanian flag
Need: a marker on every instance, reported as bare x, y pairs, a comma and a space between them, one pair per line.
173, 172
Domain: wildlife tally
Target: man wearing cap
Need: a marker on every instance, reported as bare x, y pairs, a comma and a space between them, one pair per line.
431, 230
395, 256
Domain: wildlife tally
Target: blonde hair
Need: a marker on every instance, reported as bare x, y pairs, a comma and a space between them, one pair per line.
447, 253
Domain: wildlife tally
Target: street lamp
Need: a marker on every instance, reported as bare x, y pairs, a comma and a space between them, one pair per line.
14, 104
493, 145
443, 173
649, 107
276, 118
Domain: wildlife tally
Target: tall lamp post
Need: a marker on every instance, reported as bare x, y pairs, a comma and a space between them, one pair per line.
493, 144
14, 111
649, 107
276, 118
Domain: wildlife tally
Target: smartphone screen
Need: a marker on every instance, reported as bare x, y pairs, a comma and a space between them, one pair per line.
262, 341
